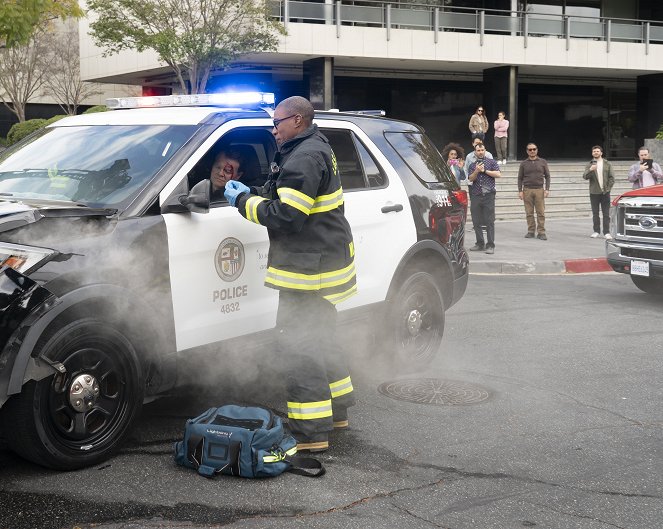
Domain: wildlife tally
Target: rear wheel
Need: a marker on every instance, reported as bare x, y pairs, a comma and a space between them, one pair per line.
81, 417
415, 321
650, 285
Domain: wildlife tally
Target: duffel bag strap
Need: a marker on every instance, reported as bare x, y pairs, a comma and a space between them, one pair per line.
306, 466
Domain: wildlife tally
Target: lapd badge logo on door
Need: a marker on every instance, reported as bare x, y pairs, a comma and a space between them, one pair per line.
229, 259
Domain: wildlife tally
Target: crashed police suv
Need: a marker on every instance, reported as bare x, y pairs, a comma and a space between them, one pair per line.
117, 262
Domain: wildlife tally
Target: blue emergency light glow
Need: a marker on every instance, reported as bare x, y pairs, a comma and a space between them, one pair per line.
242, 100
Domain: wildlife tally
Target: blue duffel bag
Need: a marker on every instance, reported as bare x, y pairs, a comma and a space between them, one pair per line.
246, 441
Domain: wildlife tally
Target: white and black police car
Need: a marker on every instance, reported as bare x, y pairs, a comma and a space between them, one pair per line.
117, 261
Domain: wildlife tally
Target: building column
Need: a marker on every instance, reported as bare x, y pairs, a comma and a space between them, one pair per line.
500, 93
648, 107
319, 73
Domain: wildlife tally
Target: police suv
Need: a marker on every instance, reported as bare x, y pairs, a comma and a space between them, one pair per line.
117, 261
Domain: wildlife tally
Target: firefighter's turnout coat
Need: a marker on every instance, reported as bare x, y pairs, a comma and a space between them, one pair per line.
311, 248
311, 261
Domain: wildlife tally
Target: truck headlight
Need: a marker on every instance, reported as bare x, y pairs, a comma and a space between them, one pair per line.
23, 259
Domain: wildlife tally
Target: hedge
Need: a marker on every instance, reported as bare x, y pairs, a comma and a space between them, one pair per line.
21, 130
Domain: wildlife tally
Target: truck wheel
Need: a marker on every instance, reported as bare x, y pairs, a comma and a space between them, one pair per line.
79, 418
415, 321
650, 285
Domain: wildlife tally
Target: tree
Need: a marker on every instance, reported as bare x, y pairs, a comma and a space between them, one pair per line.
19, 19
63, 82
193, 37
22, 72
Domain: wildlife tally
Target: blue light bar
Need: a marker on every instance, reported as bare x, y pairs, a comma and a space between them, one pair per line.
240, 100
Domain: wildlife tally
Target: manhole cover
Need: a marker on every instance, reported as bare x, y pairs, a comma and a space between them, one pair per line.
434, 391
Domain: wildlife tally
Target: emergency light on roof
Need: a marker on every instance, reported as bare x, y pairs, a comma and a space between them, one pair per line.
243, 100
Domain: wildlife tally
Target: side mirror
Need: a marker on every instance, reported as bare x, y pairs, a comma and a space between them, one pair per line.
198, 198
183, 200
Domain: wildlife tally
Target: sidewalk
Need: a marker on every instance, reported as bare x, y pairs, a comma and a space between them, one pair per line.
569, 249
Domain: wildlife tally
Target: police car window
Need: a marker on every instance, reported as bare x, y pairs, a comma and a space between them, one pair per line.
421, 156
349, 164
253, 148
99, 166
375, 175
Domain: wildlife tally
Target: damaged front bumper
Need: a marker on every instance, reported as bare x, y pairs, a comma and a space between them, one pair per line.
22, 303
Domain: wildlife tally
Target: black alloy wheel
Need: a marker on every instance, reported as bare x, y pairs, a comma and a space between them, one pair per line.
416, 321
81, 417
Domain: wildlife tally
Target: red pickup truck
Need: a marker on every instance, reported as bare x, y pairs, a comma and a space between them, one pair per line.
636, 224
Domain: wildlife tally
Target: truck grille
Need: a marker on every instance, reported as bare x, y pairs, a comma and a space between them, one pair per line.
640, 219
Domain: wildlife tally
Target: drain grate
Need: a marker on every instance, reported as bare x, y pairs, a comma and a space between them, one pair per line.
434, 391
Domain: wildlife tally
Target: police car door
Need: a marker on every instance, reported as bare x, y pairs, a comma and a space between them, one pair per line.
377, 207
217, 265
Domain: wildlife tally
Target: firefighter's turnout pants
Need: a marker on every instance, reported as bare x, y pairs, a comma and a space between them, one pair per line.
318, 385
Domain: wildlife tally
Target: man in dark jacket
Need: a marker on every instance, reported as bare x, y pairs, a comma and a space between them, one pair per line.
311, 263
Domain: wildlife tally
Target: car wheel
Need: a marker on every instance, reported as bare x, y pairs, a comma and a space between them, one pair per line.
415, 322
650, 285
81, 417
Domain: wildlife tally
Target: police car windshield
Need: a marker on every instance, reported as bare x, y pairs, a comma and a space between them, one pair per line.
99, 166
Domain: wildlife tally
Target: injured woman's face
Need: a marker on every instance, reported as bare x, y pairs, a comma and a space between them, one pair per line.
224, 169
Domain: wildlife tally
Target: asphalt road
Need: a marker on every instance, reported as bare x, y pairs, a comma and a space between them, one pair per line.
561, 427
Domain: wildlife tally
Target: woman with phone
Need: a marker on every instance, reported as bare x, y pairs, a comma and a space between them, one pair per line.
454, 154
646, 172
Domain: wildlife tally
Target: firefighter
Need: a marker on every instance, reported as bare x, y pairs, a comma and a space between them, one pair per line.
311, 263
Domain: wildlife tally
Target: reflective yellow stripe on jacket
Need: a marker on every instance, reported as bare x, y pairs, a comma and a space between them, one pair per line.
340, 387
310, 410
251, 208
312, 282
306, 204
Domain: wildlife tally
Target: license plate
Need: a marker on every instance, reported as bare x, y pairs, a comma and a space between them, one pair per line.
640, 268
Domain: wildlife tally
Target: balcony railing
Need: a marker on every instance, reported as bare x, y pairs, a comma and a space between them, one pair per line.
405, 15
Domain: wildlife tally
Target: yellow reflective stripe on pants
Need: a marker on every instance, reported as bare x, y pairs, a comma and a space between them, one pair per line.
251, 208
298, 281
310, 410
340, 387
341, 296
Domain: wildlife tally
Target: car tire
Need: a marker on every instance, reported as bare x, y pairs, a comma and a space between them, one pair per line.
415, 321
650, 285
79, 418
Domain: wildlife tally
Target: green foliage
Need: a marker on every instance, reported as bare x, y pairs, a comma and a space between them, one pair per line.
96, 108
659, 133
20, 18
192, 39
3, 142
54, 119
21, 130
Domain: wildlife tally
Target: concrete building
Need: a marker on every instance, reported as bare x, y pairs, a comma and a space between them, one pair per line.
568, 73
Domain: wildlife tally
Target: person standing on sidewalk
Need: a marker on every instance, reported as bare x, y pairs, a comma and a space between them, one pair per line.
533, 189
646, 172
482, 174
601, 179
501, 127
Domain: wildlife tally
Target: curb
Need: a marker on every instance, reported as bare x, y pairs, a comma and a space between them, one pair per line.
568, 266
581, 266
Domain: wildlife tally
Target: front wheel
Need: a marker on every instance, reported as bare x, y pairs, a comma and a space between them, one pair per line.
650, 285
415, 321
79, 418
